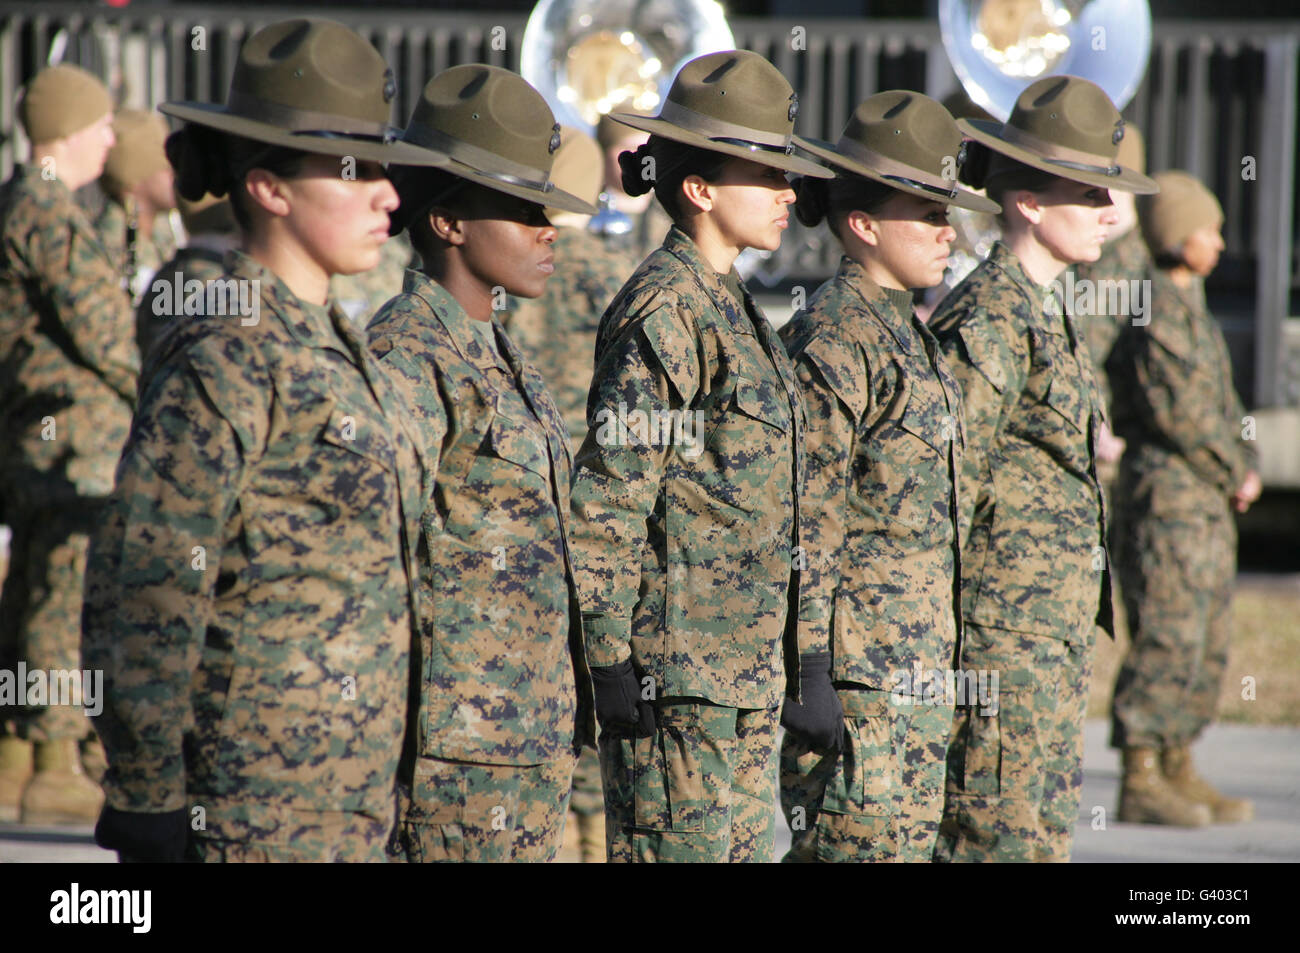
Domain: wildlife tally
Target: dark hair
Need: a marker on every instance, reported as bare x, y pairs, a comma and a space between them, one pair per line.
673, 162
833, 199
208, 161
1168, 260
418, 189
997, 174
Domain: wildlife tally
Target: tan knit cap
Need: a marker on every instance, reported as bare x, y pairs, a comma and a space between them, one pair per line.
61, 100
139, 151
1181, 206
578, 167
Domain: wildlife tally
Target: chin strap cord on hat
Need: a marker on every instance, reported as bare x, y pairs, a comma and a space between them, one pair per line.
787, 149
1063, 156
719, 130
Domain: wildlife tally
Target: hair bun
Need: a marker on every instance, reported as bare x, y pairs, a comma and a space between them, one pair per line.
632, 168
975, 170
196, 154
811, 201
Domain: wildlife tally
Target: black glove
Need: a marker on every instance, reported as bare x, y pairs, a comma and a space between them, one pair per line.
819, 718
619, 707
143, 837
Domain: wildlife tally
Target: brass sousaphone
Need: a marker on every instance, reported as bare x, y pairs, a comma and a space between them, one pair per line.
591, 57
998, 47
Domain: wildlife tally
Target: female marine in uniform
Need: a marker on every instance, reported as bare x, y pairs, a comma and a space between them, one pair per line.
879, 619
1035, 580
504, 699
1187, 468
250, 595
685, 502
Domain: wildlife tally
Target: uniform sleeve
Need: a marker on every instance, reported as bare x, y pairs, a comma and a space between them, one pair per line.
1247, 450
89, 303
414, 377
836, 396
991, 367
650, 364
154, 565
1175, 392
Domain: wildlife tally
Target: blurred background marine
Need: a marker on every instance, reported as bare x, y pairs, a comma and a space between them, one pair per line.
1190, 462
136, 224
68, 368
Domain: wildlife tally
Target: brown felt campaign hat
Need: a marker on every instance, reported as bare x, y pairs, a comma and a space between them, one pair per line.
908, 141
734, 102
1067, 126
313, 85
497, 130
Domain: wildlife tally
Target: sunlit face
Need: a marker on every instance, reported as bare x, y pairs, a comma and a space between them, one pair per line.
87, 151
914, 239
1201, 249
1075, 220
340, 222
751, 205
508, 243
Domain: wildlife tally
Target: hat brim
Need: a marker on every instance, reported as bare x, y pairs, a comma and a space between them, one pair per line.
216, 117
551, 199
778, 160
962, 198
986, 133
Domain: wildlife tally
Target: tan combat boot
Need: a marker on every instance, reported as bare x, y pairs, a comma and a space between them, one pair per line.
1145, 797
15, 772
93, 759
591, 838
59, 792
1176, 764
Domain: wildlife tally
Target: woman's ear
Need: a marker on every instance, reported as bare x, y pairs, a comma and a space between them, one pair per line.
1027, 204
863, 227
267, 190
446, 226
698, 192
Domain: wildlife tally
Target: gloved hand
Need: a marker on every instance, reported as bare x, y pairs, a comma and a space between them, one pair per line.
819, 718
143, 837
619, 706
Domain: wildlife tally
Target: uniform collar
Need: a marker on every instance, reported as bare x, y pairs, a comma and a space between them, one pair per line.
311, 325
465, 332
33, 181
877, 299
1004, 259
683, 247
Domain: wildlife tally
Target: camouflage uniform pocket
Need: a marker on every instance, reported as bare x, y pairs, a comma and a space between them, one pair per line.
900, 474
676, 774
460, 812
866, 779
514, 441
1067, 401
859, 817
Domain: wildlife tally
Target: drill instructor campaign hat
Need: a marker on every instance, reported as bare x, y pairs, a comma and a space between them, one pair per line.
734, 102
497, 131
908, 141
312, 85
1067, 126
